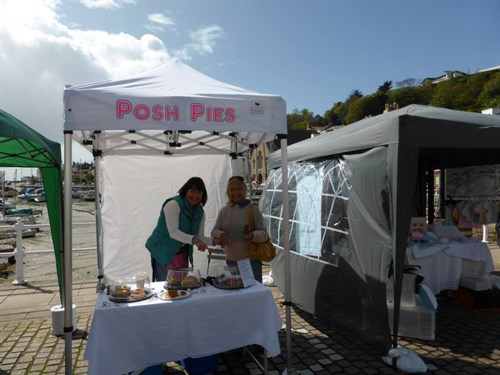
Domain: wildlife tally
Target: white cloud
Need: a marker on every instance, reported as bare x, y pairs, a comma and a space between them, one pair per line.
106, 4
161, 19
40, 54
158, 21
29, 21
204, 40
119, 54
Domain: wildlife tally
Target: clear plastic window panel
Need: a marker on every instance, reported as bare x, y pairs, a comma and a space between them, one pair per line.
318, 194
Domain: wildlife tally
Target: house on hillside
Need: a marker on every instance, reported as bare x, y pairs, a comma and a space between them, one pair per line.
492, 69
449, 74
491, 111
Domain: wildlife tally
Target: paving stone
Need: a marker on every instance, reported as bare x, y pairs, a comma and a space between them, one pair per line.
324, 361
317, 348
336, 357
316, 367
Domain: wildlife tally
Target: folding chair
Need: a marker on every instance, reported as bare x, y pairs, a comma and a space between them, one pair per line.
216, 253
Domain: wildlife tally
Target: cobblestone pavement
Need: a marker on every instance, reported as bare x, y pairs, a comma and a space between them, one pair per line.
466, 342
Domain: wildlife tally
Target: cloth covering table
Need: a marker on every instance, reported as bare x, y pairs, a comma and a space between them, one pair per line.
443, 269
129, 336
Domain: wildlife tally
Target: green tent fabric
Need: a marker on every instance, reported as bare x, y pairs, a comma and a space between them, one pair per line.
21, 146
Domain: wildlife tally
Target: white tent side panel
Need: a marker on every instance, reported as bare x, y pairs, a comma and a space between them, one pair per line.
132, 192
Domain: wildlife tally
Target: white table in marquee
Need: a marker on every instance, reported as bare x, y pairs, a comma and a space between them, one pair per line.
125, 337
443, 265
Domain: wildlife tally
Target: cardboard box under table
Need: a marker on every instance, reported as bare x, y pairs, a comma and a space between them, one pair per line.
473, 300
126, 337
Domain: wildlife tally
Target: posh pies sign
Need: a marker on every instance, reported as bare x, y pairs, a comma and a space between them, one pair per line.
127, 110
169, 113
171, 96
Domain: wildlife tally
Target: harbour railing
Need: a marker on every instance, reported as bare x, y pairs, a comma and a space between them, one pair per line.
19, 252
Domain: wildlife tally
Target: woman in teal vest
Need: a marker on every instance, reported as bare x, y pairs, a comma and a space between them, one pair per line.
181, 225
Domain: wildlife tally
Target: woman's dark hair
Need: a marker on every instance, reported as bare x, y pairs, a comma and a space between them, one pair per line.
197, 183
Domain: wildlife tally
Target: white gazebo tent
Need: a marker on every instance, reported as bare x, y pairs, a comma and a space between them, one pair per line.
149, 133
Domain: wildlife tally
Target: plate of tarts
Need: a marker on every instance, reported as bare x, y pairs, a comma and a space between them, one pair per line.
130, 295
173, 295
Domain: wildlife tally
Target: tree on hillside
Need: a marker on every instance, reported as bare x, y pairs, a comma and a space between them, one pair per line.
490, 93
333, 115
411, 95
355, 94
469, 93
355, 111
344, 108
341, 111
453, 94
408, 82
299, 119
370, 105
317, 121
385, 87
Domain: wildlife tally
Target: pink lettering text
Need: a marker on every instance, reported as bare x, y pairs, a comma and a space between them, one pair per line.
143, 111
157, 112
230, 115
212, 114
123, 107
172, 114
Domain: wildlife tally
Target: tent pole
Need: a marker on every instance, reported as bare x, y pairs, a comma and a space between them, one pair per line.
67, 254
97, 174
286, 253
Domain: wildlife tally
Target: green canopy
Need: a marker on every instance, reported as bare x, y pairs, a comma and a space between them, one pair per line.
21, 146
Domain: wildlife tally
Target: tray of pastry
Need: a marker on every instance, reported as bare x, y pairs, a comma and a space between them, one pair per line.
125, 294
182, 280
227, 278
173, 295
228, 282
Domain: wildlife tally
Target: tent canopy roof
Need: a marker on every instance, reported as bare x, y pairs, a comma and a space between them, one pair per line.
172, 108
21, 146
439, 135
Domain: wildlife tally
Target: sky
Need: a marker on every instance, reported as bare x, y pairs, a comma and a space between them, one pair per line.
313, 53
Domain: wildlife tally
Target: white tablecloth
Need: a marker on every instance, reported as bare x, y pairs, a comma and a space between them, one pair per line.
440, 272
127, 337
443, 270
